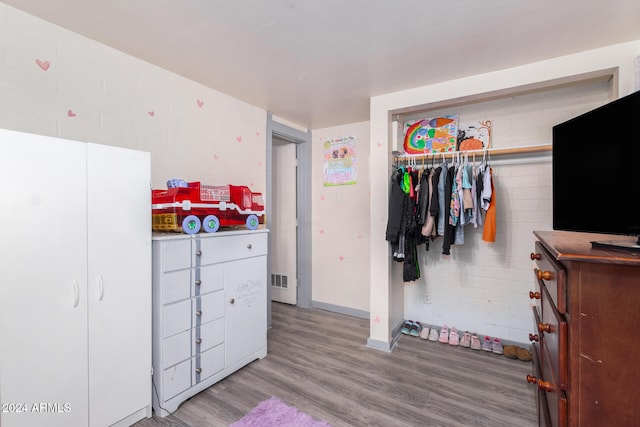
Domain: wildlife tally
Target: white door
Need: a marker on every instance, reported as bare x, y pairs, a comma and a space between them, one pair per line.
283, 275
43, 281
119, 207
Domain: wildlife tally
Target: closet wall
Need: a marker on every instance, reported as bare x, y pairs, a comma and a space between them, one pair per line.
58, 83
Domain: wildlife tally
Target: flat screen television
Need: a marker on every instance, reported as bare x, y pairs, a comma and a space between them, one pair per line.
596, 173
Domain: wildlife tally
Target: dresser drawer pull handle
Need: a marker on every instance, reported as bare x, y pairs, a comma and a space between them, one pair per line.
534, 295
249, 246
198, 253
531, 379
544, 275
534, 337
199, 341
198, 282
198, 370
535, 256
232, 301
199, 313
544, 327
545, 386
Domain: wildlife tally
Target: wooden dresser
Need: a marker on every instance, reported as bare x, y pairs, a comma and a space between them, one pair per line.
587, 323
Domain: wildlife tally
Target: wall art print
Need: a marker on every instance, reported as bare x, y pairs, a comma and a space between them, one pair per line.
433, 135
340, 161
474, 135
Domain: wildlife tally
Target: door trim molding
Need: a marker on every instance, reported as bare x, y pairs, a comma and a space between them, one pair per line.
303, 196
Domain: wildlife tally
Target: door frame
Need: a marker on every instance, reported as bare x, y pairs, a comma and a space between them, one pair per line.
303, 205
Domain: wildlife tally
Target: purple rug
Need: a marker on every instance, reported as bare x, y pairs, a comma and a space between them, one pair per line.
274, 412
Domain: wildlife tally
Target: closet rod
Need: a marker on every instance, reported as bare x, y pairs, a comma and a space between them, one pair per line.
492, 151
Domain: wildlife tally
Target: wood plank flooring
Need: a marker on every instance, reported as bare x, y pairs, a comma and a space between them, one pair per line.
318, 362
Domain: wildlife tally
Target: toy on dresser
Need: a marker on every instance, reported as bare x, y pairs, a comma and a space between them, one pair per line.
190, 206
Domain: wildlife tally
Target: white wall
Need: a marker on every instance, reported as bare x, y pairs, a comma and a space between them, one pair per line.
340, 227
388, 297
91, 92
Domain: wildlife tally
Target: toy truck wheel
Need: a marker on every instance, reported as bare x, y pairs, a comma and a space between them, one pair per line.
211, 224
191, 224
252, 222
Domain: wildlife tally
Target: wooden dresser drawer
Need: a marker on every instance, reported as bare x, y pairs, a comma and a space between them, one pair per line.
209, 363
176, 348
553, 333
555, 397
177, 318
553, 275
208, 278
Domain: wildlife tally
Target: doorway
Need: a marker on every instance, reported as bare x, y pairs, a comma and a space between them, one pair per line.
284, 223
281, 139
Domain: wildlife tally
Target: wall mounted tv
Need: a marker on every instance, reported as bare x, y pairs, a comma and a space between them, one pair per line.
596, 173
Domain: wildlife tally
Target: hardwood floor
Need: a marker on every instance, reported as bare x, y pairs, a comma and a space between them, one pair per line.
318, 362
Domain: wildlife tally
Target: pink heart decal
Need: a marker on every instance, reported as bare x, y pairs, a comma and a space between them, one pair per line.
259, 164
377, 319
379, 145
341, 258
257, 133
44, 65
239, 138
321, 231
151, 113
200, 103
251, 185
215, 157
359, 236
321, 197
70, 113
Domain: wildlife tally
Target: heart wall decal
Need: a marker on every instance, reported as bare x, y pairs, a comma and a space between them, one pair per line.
44, 65
151, 113
200, 103
70, 113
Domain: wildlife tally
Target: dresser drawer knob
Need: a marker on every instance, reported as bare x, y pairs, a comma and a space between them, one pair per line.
199, 313
534, 337
535, 256
544, 327
199, 341
198, 282
545, 386
198, 253
198, 370
544, 275
249, 246
534, 295
531, 379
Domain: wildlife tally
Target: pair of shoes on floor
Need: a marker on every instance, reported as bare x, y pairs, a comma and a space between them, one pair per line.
516, 352
433, 334
451, 337
412, 328
494, 345
471, 341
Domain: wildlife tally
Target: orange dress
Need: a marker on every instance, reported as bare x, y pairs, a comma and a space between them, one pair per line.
489, 230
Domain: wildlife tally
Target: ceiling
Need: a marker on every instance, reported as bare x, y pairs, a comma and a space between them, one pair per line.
316, 63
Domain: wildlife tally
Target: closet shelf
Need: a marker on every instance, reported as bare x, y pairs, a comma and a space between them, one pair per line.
491, 151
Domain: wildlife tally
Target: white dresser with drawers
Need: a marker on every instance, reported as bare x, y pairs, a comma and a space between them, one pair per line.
209, 310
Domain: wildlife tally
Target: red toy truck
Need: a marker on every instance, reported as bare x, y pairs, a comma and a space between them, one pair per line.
189, 206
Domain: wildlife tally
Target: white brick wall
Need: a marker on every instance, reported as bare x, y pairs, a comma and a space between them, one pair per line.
483, 287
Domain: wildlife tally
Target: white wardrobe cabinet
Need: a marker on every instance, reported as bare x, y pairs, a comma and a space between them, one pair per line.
75, 283
209, 310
